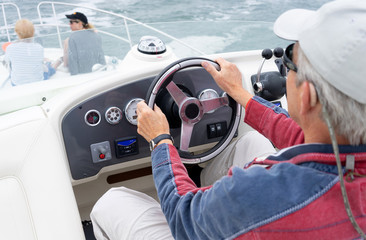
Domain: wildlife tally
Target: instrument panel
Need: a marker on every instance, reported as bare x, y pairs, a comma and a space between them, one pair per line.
102, 130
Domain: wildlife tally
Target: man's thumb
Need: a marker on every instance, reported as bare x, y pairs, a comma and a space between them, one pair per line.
209, 68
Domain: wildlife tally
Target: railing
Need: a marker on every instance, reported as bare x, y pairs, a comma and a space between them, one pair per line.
124, 18
6, 26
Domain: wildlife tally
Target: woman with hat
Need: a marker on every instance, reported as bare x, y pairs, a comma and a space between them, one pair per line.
83, 48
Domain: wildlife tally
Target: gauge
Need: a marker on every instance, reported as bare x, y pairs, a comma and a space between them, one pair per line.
208, 94
113, 115
130, 110
151, 45
92, 117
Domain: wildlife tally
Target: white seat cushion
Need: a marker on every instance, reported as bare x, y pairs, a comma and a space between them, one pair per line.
36, 200
15, 216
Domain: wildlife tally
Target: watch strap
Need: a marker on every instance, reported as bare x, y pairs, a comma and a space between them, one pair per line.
159, 138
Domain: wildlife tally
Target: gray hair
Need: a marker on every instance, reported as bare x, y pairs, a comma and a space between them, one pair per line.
347, 116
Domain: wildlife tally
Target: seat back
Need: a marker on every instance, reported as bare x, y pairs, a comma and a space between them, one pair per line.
36, 197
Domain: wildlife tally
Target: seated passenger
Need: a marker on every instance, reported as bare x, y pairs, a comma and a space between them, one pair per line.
82, 49
25, 58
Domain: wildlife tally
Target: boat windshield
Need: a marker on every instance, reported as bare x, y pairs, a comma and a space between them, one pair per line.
190, 39
117, 37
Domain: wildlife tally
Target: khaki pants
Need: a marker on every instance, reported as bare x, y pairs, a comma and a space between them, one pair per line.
237, 153
122, 213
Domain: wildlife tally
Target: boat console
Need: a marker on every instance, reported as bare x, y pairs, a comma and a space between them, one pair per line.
102, 131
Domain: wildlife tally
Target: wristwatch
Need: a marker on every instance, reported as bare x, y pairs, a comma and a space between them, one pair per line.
156, 140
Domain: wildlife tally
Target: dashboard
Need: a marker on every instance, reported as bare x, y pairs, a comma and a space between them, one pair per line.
102, 131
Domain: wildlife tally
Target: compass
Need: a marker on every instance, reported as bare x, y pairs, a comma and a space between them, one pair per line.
151, 45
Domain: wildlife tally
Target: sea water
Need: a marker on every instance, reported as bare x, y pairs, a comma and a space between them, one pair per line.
212, 26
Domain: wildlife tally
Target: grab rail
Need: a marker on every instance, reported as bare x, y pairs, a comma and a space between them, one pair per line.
125, 19
5, 19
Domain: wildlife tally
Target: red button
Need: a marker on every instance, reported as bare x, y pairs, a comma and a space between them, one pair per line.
101, 156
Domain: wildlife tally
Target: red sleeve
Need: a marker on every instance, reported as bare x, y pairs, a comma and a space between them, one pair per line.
273, 122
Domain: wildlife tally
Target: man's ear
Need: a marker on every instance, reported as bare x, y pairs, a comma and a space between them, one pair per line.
308, 97
313, 95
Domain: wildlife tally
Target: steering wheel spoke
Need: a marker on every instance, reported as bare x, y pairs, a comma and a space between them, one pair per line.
185, 136
176, 93
215, 103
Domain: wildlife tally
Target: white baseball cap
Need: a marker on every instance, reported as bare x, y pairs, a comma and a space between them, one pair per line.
333, 38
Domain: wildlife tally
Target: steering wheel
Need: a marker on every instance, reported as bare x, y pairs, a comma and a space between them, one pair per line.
191, 110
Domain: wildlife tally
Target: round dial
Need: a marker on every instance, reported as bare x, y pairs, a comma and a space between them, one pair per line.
113, 115
208, 94
130, 110
92, 117
151, 45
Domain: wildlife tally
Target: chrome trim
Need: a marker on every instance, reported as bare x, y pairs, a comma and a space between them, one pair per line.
113, 121
127, 105
97, 112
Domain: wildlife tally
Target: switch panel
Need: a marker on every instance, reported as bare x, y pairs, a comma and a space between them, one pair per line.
216, 130
126, 146
211, 131
101, 151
